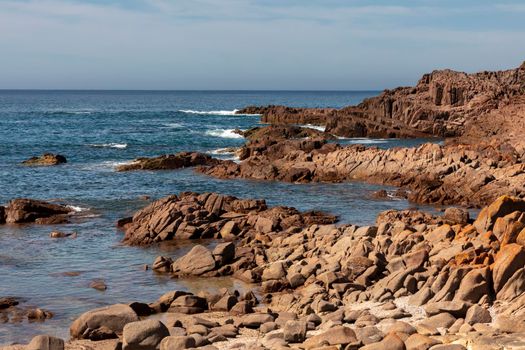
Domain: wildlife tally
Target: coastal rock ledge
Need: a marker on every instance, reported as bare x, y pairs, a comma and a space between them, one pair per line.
24, 210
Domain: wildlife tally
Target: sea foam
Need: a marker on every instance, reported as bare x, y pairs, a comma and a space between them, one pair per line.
233, 112
110, 145
224, 133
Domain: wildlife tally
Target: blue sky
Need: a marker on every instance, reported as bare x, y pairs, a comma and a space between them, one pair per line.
252, 44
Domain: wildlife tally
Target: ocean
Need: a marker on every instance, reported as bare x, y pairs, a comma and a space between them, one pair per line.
96, 131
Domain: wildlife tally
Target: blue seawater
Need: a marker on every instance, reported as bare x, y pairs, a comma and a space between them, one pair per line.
97, 130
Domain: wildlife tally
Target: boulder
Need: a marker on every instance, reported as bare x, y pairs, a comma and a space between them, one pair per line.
169, 162
456, 216
224, 253
45, 342
113, 317
196, 262
474, 286
294, 331
420, 342
46, 159
514, 287
177, 343
477, 314
143, 335
390, 342
502, 206
509, 259
339, 335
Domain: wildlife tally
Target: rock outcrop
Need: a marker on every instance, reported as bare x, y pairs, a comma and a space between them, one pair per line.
169, 162
452, 174
211, 215
444, 103
47, 159
23, 210
392, 286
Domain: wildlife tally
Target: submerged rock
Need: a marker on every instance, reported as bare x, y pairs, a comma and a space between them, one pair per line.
25, 210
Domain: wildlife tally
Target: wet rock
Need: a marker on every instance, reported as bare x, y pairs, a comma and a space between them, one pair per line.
7, 302
39, 314
45, 342
143, 335
46, 159
169, 162
98, 284
29, 210
113, 317
58, 234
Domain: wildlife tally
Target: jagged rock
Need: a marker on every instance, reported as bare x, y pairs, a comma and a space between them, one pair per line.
47, 159
504, 205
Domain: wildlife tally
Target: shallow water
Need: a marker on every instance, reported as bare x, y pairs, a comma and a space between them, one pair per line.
98, 130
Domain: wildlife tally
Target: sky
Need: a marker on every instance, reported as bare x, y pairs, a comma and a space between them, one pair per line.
252, 44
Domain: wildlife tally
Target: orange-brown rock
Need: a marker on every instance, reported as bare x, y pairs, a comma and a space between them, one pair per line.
23, 210
46, 159
444, 103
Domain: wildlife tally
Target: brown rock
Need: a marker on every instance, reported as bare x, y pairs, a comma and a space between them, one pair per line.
504, 205
196, 262
143, 335
390, 342
338, 335
113, 317
420, 342
508, 260
29, 210
47, 159
177, 343
169, 162
45, 342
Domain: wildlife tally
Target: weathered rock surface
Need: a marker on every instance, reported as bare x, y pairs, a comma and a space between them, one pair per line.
169, 162
444, 103
144, 335
102, 323
47, 159
207, 215
23, 210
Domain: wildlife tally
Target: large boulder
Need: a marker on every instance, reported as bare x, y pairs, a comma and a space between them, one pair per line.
196, 262
509, 259
143, 335
46, 159
339, 335
112, 318
504, 205
25, 210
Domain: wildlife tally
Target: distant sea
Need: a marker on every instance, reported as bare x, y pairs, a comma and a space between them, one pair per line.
98, 130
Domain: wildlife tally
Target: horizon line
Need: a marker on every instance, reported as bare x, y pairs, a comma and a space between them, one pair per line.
199, 90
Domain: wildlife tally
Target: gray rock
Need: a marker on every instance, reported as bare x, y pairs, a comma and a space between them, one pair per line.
45, 342
294, 331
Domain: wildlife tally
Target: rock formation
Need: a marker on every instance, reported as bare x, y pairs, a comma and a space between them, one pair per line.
47, 159
397, 285
23, 210
168, 162
211, 215
444, 103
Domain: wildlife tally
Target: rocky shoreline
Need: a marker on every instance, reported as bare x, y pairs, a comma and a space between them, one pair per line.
411, 281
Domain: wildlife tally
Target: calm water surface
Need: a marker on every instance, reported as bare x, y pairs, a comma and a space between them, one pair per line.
97, 130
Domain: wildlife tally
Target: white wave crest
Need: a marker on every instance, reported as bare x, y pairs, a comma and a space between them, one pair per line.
221, 151
234, 112
174, 125
77, 209
362, 141
110, 145
224, 133
316, 127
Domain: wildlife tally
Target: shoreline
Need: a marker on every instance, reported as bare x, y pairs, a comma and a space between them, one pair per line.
412, 278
